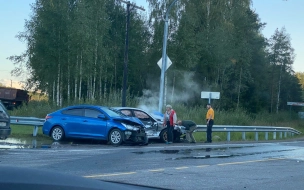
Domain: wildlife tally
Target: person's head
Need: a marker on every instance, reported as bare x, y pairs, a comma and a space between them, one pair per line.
179, 122
208, 105
168, 107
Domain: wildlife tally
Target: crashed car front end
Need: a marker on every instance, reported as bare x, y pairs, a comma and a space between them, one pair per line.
134, 133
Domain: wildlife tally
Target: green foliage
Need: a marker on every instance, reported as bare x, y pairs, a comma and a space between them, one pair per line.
40, 108
75, 53
300, 76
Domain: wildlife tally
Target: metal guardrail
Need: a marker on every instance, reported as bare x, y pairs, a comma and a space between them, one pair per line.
33, 121
37, 122
255, 129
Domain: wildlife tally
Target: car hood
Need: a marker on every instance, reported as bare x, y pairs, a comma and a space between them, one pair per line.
129, 120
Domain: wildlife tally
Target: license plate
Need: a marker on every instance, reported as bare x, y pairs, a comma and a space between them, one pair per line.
2, 124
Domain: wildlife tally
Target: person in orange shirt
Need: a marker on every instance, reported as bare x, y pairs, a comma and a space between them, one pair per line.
209, 120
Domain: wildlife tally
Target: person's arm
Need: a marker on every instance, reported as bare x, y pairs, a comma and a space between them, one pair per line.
174, 118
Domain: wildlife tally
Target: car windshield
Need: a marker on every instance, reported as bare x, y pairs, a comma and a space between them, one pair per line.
2, 107
112, 112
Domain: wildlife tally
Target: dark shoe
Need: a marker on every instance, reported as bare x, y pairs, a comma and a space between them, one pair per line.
193, 142
207, 142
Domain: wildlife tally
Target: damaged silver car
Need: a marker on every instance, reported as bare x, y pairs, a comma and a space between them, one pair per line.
153, 124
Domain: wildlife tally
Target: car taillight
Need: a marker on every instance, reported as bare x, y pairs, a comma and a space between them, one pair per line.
48, 117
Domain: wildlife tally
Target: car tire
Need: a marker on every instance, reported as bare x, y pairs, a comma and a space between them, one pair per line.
163, 135
115, 137
57, 133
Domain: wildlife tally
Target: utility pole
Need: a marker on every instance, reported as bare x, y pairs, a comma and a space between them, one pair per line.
125, 75
164, 59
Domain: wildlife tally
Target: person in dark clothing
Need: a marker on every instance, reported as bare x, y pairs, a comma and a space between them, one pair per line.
190, 127
170, 119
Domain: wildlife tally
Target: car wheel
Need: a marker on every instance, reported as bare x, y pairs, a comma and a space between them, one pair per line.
115, 137
163, 135
57, 133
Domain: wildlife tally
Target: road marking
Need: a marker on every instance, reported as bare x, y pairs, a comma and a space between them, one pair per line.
250, 161
181, 168
157, 170
165, 146
202, 166
107, 175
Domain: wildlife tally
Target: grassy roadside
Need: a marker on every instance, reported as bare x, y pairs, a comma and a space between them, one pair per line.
25, 131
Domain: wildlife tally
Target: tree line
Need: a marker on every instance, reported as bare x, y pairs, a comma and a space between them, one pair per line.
75, 51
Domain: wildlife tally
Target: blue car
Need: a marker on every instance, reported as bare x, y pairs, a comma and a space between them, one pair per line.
94, 122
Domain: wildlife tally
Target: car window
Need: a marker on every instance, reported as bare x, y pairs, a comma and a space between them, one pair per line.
142, 115
3, 112
76, 112
2, 107
92, 113
112, 112
127, 112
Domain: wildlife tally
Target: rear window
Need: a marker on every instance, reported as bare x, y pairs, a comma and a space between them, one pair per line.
92, 113
75, 112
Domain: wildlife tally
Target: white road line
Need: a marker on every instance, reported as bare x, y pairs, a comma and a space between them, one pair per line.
250, 161
157, 170
181, 168
202, 166
110, 174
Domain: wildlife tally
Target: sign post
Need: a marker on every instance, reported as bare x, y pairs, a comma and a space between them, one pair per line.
301, 114
210, 95
167, 64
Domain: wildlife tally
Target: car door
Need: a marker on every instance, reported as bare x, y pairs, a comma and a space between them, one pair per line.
72, 120
94, 126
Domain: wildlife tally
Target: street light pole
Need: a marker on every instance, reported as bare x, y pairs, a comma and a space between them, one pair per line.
125, 73
164, 59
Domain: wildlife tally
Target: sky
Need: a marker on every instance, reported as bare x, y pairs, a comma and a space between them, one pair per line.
275, 13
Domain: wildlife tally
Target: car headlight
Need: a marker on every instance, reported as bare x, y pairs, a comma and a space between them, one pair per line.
129, 127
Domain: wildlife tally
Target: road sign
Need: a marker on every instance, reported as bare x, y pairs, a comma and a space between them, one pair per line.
160, 63
295, 103
212, 95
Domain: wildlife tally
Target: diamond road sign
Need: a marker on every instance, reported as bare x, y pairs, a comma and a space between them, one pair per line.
160, 63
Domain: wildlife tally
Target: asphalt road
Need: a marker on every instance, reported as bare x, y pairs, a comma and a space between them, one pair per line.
276, 165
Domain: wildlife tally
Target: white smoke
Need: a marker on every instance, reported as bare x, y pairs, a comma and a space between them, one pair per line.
179, 90
184, 90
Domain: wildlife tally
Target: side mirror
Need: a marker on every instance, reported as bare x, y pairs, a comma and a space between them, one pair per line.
101, 116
